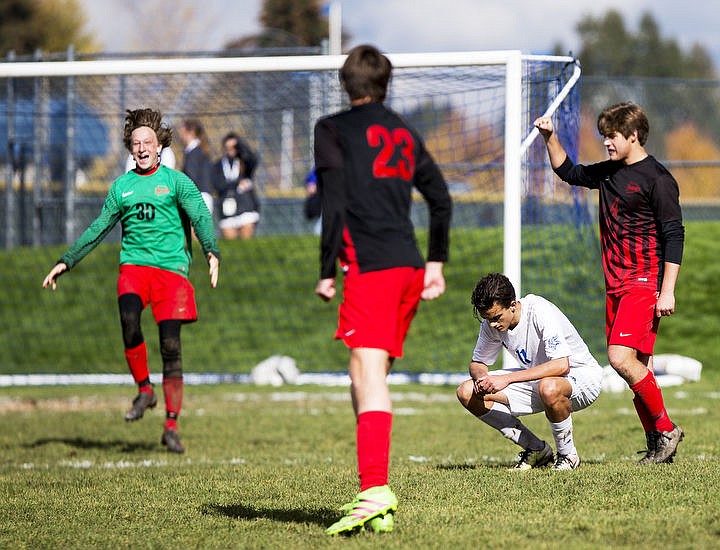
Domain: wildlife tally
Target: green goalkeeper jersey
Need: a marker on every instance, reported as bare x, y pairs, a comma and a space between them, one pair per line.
156, 212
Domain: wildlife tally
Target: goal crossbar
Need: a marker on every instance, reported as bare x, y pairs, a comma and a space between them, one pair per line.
246, 64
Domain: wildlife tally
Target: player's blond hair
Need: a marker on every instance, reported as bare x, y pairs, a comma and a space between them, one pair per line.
149, 118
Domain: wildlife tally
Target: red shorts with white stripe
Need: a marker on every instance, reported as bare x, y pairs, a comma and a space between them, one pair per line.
630, 319
378, 307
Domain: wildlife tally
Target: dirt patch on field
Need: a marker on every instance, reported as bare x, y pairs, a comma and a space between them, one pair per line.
10, 404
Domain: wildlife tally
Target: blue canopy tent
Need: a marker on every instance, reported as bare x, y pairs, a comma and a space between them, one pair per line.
89, 134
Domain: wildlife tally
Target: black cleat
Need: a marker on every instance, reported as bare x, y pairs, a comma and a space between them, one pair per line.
143, 401
171, 440
649, 458
529, 459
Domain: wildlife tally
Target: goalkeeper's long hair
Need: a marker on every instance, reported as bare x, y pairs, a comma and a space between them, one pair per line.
146, 117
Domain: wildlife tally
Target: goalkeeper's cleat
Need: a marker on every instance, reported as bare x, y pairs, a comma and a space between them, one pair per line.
651, 439
171, 440
143, 401
667, 444
375, 503
529, 459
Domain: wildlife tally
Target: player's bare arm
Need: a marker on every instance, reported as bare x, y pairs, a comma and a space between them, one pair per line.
214, 270
556, 152
434, 285
666, 299
495, 383
326, 289
477, 371
55, 272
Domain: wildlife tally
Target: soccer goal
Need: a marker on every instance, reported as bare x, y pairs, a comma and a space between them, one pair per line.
63, 121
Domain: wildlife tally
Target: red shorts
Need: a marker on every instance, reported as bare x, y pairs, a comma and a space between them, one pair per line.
378, 307
630, 319
170, 295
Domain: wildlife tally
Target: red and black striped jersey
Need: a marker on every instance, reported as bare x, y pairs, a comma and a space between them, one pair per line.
640, 218
367, 161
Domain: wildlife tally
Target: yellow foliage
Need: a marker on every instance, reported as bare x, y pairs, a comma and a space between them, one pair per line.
687, 143
469, 153
590, 145
63, 22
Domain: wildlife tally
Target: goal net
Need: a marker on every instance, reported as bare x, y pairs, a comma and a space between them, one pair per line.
63, 124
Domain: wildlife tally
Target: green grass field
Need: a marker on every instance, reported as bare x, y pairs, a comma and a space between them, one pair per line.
269, 468
265, 305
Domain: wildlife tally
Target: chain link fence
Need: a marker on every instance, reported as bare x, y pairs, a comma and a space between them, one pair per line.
64, 147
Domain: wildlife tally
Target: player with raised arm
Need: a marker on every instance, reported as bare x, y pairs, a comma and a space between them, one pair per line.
156, 206
642, 238
555, 373
368, 160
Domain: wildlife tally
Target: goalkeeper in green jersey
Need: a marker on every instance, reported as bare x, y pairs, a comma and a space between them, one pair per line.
156, 207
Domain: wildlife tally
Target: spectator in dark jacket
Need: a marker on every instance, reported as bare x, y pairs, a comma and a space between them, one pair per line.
196, 159
232, 180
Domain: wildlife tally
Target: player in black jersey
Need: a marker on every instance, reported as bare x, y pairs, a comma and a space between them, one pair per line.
368, 160
642, 239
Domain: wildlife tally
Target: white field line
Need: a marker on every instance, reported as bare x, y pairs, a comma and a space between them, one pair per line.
159, 464
198, 379
95, 403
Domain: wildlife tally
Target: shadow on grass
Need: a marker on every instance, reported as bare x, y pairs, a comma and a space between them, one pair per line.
322, 517
458, 467
503, 465
488, 464
118, 445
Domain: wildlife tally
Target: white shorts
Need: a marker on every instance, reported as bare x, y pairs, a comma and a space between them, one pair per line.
245, 218
524, 398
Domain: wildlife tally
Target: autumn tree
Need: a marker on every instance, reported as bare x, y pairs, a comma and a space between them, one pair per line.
300, 18
47, 25
289, 24
286, 24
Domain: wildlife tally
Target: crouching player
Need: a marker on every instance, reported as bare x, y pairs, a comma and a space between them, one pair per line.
556, 373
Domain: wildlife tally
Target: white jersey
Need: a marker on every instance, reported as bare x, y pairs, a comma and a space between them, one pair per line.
543, 333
